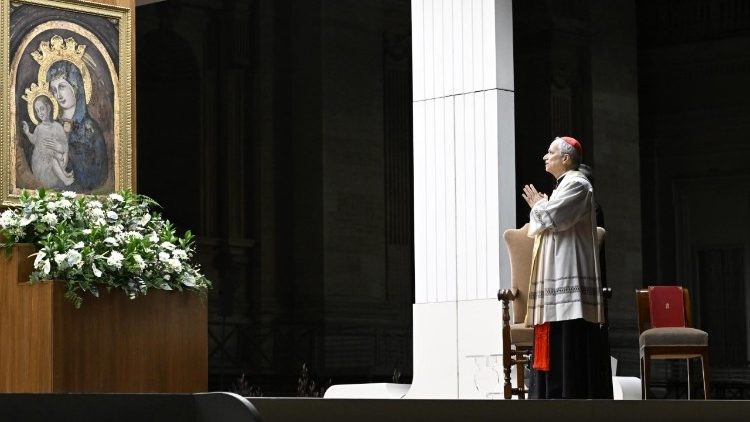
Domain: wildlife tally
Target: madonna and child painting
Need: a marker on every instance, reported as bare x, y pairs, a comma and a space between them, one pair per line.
66, 113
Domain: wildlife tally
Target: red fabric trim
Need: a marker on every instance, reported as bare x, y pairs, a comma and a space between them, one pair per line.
541, 347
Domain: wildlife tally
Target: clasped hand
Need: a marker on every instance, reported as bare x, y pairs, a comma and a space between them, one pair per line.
532, 196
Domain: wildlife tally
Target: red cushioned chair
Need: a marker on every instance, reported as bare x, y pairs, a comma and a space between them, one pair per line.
670, 342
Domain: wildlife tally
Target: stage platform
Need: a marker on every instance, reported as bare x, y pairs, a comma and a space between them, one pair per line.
202, 407
334, 410
225, 407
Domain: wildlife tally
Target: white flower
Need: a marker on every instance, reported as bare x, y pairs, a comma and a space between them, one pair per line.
153, 237
144, 220
97, 272
163, 256
39, 258
52, 206
60, 259
74, 258
115, 259
40, 263
174, 264
168, 246
133, 235
97, 213
49, 218
179, 253
127, 236
117, 228
86, 231
64, 203
188, 280
116, 197
112, 215
78, 245
139, 261
25, 221
94, 204
7, 218
68, 194
111, 240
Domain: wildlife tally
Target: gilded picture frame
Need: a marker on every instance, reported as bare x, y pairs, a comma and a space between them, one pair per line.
66, 106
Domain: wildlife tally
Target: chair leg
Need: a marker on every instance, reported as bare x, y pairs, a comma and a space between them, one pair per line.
520, 375
643, 387
689, 385
646, 374
706, 378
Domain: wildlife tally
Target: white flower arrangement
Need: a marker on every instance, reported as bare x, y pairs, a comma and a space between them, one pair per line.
93, 243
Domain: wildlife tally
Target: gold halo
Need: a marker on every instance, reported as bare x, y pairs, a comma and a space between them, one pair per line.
57, 49
36, 91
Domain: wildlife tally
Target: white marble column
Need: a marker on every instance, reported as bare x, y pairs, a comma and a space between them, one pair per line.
464, 187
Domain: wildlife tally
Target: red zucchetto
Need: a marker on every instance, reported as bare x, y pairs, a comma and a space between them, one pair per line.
574, 143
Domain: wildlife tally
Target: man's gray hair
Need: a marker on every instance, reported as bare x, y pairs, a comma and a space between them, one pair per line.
566, 148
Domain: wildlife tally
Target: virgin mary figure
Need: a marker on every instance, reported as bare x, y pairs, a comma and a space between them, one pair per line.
87, 151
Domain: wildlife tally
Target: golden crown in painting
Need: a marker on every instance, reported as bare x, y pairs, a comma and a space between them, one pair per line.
59, 49
34, 92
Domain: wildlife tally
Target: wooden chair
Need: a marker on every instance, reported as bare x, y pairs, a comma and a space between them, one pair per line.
517, 338
670, 342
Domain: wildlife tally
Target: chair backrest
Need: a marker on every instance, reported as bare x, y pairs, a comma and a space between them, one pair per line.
644, 309
520, 249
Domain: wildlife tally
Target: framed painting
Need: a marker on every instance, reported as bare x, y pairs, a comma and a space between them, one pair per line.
66, 102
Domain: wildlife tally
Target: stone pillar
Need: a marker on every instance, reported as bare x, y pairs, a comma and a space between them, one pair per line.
464, 187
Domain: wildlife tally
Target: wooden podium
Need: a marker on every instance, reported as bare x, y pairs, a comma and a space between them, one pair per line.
155, 343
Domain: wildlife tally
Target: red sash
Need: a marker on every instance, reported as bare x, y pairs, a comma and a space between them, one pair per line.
541, 347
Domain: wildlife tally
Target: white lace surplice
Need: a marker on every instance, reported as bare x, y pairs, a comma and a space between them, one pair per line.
565, 279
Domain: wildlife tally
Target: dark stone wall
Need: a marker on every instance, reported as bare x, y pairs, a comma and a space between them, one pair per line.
280, 133
693, 60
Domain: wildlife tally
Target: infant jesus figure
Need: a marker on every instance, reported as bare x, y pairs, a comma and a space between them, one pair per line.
50, 154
